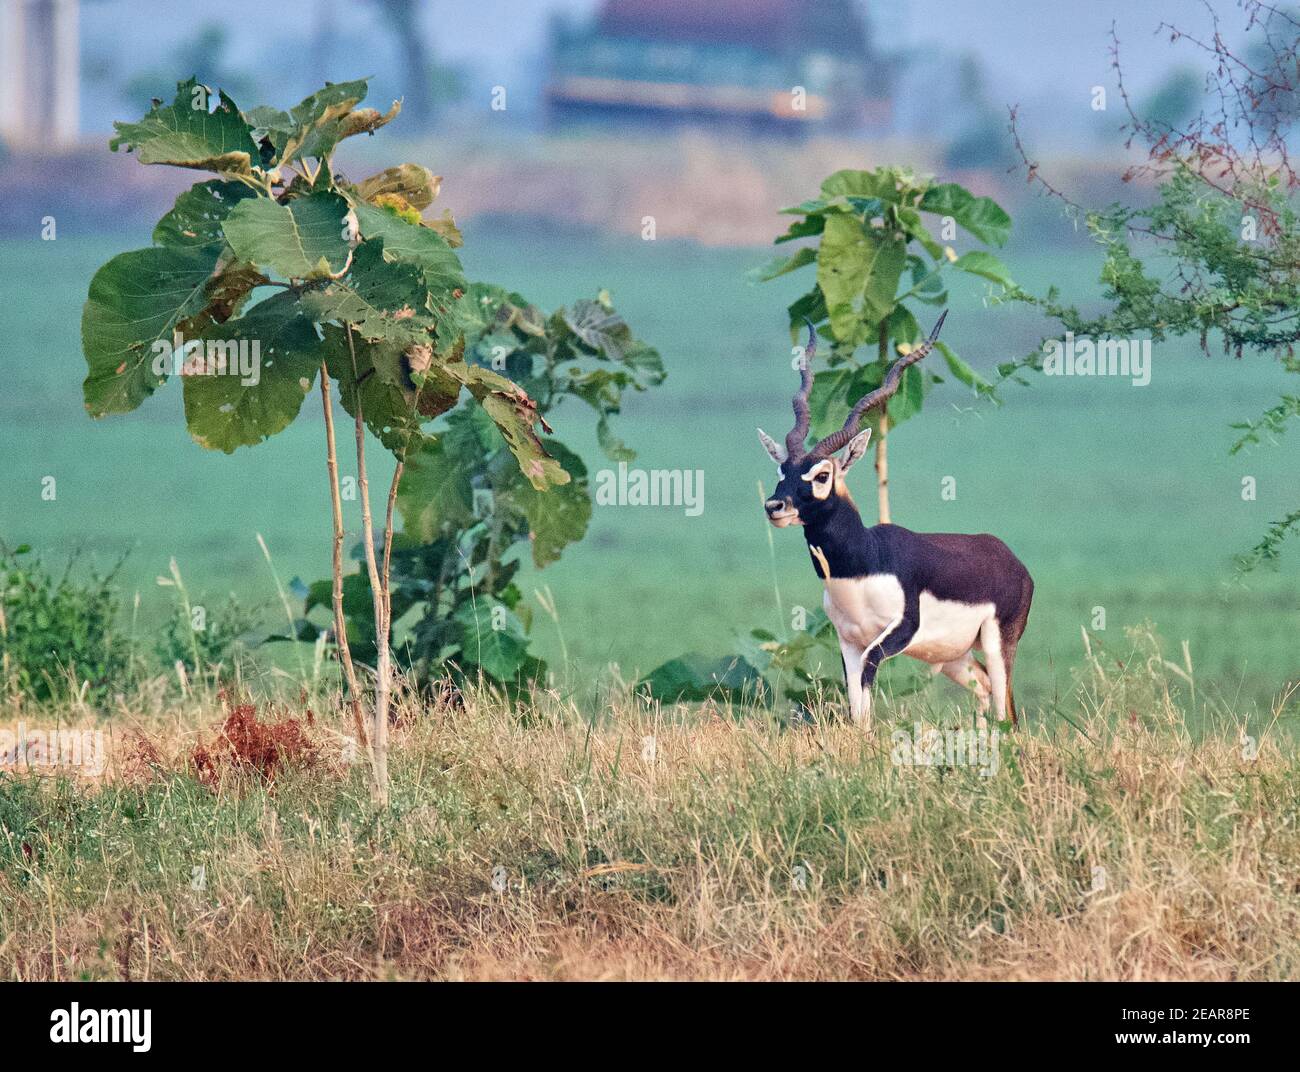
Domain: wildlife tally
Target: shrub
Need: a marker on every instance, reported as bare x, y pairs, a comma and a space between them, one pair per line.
57, 635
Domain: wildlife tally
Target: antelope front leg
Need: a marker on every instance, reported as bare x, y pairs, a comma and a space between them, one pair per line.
859, 698
892, 640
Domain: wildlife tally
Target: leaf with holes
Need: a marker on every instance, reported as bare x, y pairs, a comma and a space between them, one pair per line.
186, 134
196, 217
416, 185
515, 415
222, 410
136, 300
381, 299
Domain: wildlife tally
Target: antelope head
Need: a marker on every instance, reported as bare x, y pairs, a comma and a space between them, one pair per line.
811, 480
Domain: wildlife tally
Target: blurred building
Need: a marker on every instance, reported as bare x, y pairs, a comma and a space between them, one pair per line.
40, 65
754, 64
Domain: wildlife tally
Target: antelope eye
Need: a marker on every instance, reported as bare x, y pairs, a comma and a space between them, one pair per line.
823, 476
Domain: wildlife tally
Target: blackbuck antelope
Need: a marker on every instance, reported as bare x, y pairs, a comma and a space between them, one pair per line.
933, 596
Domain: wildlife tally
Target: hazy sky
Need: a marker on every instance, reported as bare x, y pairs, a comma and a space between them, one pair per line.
1032, 51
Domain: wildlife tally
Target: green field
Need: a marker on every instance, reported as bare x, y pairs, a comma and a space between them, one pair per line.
1114, 496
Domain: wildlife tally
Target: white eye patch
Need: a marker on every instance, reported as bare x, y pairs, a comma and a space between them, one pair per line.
820, 476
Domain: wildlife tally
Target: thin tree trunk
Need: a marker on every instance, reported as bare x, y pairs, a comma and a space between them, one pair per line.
4, 663
340, 621
388, 540
379, 597
882, 442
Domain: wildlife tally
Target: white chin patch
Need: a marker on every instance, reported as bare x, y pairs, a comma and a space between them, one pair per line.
782, 520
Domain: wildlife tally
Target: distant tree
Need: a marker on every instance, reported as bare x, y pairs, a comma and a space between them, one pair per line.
1272, 81
425, 82
983, 141
207, 54
1177, 99
983, 144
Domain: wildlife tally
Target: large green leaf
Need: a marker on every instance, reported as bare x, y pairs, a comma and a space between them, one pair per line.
301, 240
695, 678
382, 299
880, 185
414, 243
435, 496
779, 266
557, 516
399, 385
221, 411
185, 134
515, 415
858, 270
910, 397
196, 217
135, 300
981, 216
986, 265
492, 638
834, 393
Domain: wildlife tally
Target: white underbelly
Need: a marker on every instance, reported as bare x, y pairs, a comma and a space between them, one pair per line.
865, 609
948, 630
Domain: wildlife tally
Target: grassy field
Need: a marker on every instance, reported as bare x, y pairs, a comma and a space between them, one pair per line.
532, 841
1116, 497
1141, 826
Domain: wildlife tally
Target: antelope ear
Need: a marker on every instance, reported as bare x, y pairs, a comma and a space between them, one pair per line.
773, 448
856, 448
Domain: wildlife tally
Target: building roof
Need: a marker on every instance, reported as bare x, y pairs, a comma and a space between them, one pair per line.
832, 26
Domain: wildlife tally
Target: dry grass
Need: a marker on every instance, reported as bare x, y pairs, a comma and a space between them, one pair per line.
527, 842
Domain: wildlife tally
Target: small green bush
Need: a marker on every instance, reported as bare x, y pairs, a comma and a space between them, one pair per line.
214, 647
57, 634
